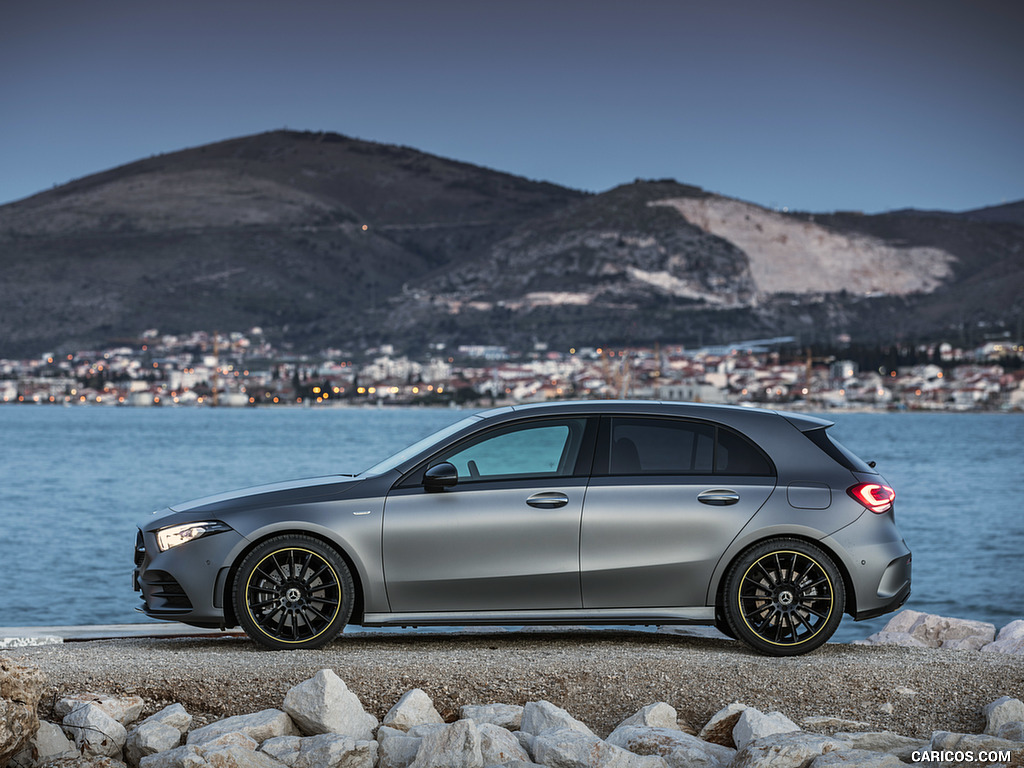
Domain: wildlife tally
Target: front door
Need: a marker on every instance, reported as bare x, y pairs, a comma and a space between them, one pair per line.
506, 536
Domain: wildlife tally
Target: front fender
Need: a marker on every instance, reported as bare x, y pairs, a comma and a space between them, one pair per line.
353, 527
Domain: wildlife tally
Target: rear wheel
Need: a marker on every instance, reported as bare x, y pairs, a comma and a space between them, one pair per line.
784, 597
293, 592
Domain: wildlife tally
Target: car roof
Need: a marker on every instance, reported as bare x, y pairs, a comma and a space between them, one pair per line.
665, 407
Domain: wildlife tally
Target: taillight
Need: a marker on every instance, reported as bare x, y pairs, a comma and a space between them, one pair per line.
878, 498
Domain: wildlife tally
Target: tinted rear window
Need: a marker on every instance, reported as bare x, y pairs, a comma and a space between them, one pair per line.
839, 452
661, 446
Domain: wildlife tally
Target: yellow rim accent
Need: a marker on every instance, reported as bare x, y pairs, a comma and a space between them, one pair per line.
248, 583
831, 602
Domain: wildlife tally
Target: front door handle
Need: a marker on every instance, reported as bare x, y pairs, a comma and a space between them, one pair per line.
548, 500
718, 497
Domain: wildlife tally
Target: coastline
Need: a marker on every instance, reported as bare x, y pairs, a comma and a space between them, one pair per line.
602, 677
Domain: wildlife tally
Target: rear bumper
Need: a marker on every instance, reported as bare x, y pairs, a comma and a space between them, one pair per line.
894, 605
877, 562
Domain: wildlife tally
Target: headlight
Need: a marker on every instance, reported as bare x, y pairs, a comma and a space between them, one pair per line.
174, 535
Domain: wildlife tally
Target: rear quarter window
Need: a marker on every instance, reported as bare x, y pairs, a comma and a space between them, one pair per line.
839, 452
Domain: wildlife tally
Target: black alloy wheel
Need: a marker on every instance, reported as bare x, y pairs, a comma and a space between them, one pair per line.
293, 592
784, 597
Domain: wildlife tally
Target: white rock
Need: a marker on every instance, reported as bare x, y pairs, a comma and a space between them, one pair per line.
235, 756
148, 738
970, 742
658, 715
174, 716
934, 631
885, 637
525, 741
395, 748
124, 709
718, 730
786, 750
679, 750
229, 750
568, 748
755, 724
498, 745
883, 741
819, 723
1011, 731
261, 726
386, 732
414, 708
94, 731
325, 750
503, 715
231, 739
541, 716
1001, 711
454, 746
182, 757
48, 744
419, 731
856, 758
1010, 639
324, 704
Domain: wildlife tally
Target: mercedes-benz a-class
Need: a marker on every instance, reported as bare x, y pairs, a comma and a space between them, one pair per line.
601, 512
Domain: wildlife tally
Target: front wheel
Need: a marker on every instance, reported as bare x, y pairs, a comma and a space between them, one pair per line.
784, 597
293, 592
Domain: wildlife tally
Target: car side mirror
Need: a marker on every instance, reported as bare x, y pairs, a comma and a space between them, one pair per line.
440, 476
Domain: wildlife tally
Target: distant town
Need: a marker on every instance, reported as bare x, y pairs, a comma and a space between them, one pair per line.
244, 370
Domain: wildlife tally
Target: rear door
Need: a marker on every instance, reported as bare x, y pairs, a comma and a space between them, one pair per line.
667, 497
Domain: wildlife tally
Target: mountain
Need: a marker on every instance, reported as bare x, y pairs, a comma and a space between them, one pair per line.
283, 230
324, 240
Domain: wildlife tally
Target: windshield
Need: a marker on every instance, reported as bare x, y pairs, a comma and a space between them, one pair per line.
418, 447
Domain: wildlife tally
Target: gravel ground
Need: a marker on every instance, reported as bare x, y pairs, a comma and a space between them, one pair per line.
600, 677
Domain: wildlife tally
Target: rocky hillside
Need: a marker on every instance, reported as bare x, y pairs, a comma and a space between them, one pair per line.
321, 239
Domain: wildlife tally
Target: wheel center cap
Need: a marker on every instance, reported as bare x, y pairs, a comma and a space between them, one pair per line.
293, 595
785, 597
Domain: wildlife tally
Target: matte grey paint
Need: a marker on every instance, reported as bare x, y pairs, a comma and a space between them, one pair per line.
417, 561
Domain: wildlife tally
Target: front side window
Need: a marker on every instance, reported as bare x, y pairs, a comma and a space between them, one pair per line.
541, 449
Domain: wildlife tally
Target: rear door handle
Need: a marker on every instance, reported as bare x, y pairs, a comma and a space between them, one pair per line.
548, 500
718, 497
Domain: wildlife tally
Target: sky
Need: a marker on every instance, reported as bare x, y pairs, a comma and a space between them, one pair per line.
871, 105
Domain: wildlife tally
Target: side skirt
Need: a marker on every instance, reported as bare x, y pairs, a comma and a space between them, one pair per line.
689, 615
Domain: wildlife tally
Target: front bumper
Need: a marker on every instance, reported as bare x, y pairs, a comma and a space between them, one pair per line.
186, 583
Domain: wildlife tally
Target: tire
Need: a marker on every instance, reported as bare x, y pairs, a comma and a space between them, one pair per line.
784, 597
721, 624
293, 591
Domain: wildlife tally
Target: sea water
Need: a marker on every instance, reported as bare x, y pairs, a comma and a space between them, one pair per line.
75, 483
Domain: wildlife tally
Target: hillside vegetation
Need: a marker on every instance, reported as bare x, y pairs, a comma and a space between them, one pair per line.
325, 240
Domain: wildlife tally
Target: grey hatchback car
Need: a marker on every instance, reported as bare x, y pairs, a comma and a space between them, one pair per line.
600, 512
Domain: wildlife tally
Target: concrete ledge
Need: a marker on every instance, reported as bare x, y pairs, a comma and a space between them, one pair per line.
21, 637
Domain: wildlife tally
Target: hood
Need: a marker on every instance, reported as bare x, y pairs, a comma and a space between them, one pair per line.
288, 492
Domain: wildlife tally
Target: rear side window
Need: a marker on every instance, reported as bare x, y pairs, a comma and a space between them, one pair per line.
659, 446
839, 452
